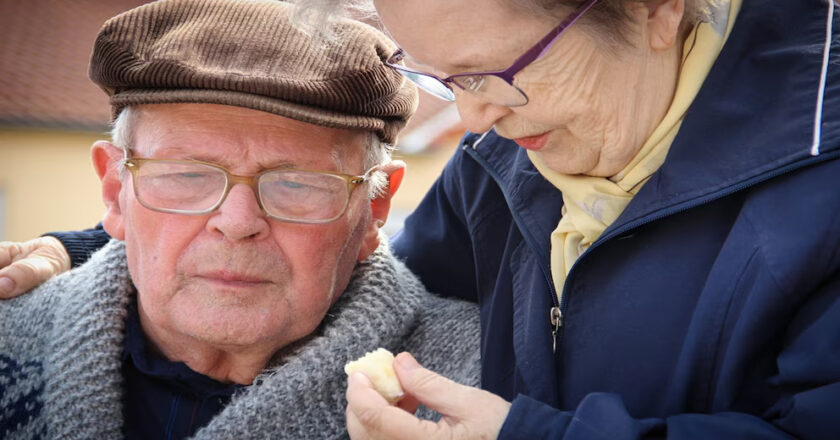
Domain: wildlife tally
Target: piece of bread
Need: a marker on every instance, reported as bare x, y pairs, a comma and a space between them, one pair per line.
378, 366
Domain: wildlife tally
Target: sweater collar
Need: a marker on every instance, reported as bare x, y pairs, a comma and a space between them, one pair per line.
379, 307
83, 380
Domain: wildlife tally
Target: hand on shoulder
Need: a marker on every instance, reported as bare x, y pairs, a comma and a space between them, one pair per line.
29, 264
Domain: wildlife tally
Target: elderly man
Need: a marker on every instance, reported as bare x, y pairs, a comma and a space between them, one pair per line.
245, 187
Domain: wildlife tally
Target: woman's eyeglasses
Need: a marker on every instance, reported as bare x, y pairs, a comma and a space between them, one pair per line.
493, 87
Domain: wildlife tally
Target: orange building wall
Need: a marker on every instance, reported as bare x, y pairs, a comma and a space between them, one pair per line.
47, 181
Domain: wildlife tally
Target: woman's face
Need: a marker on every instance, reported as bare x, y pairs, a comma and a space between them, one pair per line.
592, 103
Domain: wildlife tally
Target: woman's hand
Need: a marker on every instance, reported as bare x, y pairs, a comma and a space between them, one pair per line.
28, 264
467, 412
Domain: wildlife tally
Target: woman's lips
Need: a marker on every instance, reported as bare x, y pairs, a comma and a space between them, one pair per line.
533, 143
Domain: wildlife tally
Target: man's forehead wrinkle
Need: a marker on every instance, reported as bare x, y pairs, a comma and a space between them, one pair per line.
247, 142
349, 151
233, 158
336, 158
252, 157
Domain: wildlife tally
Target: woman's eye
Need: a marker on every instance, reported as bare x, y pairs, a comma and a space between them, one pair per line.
474, 83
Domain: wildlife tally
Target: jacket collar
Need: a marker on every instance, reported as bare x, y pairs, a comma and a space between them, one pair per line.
754, 118
535, 203
755, 115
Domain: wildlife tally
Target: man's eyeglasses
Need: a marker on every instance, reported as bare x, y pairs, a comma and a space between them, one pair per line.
286, 194
493, 87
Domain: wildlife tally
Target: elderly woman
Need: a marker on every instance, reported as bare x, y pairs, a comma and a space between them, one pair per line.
646, 210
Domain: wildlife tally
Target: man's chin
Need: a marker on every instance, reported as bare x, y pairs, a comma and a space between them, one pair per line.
226, 335
227, 321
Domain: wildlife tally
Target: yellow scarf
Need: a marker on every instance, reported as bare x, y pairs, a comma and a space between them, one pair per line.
591, 204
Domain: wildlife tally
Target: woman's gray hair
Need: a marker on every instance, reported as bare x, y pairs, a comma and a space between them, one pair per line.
610, 16
311, 16
377, 153
607, 15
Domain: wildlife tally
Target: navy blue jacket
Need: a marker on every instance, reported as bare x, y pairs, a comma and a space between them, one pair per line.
710, 308
163, 399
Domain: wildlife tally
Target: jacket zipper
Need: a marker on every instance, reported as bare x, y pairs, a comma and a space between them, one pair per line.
685, 207
555, 313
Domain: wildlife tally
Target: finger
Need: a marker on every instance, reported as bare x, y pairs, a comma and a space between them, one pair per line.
8, 251
408, 404
51, 248
359, 387
25, 274
360, 392
431, 389
370, 417
354, 427
8, 287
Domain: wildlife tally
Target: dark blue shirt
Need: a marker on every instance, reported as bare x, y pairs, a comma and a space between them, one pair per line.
165, 399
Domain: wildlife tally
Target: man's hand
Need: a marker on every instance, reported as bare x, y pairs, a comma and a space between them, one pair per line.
468, 413
28, 264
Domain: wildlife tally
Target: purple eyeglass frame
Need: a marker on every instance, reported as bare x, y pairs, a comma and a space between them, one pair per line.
533, 54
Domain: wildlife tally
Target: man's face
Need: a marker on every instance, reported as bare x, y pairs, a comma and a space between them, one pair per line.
234, 278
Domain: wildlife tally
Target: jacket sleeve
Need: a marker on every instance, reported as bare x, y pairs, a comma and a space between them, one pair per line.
81, 245
807, 383
435, 242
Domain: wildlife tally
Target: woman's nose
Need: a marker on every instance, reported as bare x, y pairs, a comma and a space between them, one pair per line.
478, 116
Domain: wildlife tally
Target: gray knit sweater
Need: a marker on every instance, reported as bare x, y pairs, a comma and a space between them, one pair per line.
61, 350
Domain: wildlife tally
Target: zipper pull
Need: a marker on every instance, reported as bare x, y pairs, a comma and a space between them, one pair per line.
556, 317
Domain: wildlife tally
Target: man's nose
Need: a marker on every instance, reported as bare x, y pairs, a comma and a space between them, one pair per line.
240, 216
478, 116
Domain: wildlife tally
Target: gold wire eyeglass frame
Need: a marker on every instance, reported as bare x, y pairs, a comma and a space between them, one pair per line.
133, 165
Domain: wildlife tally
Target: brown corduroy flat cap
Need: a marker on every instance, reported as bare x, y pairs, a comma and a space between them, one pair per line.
248, 53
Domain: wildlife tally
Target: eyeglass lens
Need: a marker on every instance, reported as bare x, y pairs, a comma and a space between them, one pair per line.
177, 186
430, 84
299, 195
491, 88
488, 88
194, 188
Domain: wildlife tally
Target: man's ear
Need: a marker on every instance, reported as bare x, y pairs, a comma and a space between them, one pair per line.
380, 206
106, 158
663, 23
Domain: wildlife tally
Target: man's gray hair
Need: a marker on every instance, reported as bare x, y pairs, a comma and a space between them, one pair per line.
376, 151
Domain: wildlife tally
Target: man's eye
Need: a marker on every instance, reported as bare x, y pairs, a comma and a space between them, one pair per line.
292, 185
190, 177
183, 178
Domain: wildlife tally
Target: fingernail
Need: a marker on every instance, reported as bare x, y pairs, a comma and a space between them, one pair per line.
407, 361
358, 379
7, 285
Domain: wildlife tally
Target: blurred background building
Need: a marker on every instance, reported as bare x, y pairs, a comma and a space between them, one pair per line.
50, 114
